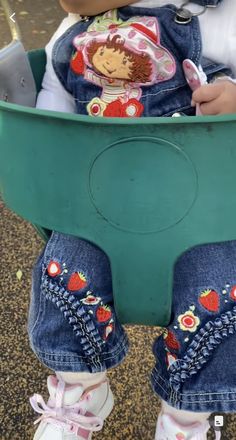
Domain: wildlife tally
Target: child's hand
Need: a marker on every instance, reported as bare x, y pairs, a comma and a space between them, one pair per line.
217, 98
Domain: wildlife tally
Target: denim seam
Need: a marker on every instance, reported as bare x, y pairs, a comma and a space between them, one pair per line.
181, 397
81, 366
118, 350
155, 379
84, 361
38, 315
170, 89
40, 311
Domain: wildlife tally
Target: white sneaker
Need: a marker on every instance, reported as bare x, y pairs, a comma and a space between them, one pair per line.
71, 412
168, 429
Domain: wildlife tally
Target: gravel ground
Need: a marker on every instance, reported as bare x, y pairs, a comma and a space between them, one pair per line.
136, 408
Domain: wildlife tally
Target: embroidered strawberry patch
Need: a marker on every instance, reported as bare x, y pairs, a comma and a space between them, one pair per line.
53, 269
77, 281
210, 300
171, 341
77, 63
233, 293
103, 313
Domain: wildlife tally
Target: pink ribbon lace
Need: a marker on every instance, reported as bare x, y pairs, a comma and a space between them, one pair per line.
217, 435
72, 418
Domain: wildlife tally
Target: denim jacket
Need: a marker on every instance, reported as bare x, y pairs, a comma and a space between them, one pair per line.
128, 62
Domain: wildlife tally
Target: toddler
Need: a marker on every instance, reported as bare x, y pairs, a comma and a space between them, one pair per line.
128, 63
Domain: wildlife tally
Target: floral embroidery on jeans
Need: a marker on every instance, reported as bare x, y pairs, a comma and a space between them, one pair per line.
188, 321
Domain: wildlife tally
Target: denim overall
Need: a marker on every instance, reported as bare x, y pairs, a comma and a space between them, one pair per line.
72, 323
161, 98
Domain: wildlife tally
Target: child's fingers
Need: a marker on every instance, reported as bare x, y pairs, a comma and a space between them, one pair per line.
211, 108
206, 93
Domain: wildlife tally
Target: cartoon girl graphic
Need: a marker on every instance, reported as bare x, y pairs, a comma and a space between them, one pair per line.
121, 59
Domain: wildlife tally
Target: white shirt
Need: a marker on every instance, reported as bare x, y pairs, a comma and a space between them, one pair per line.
218, 28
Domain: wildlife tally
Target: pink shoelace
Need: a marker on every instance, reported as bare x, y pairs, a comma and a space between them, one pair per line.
200, 433
217, 435
72, 418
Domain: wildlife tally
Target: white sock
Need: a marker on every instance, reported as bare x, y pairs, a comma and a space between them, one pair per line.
184, 417
85, 379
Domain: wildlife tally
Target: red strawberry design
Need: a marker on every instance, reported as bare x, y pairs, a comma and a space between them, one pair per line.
171, 341
53, 269
103, 313
77, 63
233, 293
77, 281
210, 300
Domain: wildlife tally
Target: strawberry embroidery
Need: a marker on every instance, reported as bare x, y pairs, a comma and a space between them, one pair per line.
171, 341
53, 269
77, 281
233, 293
210, 300
103, 313
77, 63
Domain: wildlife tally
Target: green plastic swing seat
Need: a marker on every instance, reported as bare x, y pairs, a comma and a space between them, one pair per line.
143, 190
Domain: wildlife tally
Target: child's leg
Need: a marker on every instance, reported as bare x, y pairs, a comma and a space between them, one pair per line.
74, 331
175, 424
196, 358
184, 417
86, 379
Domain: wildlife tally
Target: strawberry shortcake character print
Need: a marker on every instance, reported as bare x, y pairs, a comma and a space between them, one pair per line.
121, 58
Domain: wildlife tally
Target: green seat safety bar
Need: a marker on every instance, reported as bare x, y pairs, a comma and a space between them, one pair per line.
144, 190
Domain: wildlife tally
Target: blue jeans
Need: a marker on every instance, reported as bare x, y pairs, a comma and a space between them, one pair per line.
73, 325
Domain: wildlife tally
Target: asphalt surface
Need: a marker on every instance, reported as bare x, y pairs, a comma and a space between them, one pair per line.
136, 409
